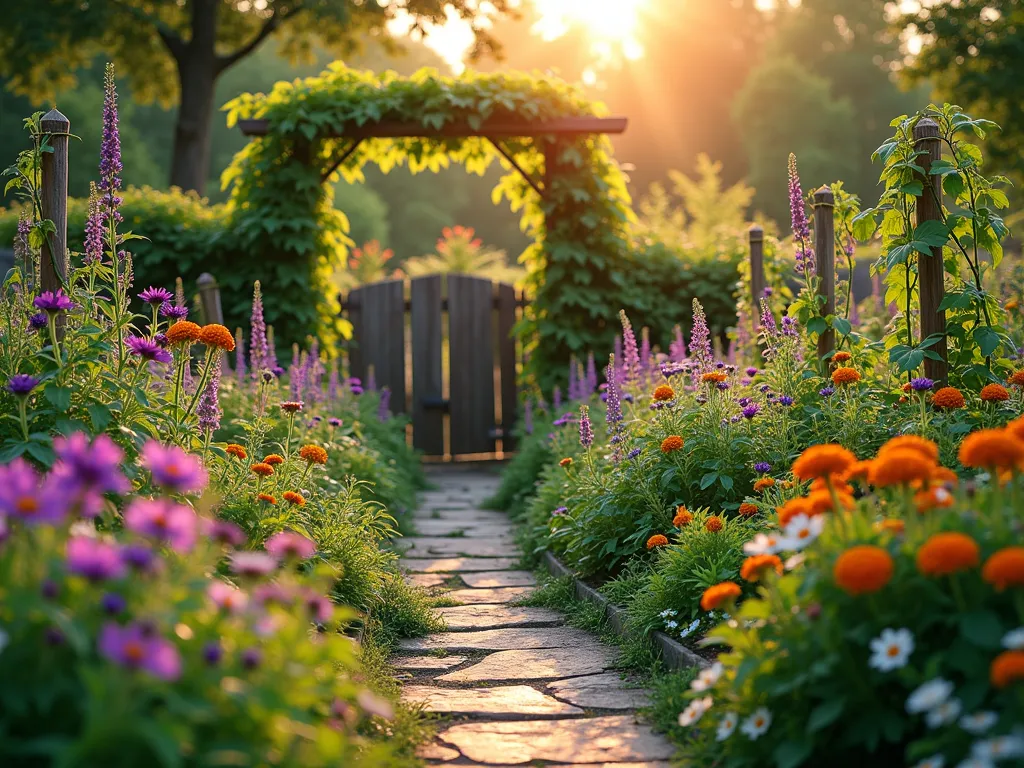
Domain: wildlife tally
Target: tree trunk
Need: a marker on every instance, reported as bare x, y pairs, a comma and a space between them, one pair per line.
197, 75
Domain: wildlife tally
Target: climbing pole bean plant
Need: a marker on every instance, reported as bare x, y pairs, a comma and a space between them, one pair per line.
970, 234
281, 198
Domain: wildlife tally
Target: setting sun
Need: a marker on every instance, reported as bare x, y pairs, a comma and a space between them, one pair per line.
609, 21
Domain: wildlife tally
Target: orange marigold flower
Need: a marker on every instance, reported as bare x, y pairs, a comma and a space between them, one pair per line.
820, 502
859, 470
183, 332
671, 443
313, 454
922, 445
905, 388
657, 540
840, 486
949, 398
1007, 667
261, 469
900, 466
714, 524
1011, 304
892, 525
747, 509
664, 392
1005, 568
214, 335
267, 498
720, 594
273, 459
791, 509
683, 517
234, 449
994, 393
946, 553
1017, 379
841, 357
945, 476
932, 498
991, 449
822, 461
841, 376
863, 569
566, 462
714, 377
762, 483
753, 567
1016, 428
293, 498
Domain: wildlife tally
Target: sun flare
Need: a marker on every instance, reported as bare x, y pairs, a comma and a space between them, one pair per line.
606, 21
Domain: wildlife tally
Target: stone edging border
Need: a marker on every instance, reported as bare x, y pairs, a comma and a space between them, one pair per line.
674, 655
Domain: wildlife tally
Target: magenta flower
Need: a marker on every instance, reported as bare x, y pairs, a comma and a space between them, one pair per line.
173, 312
223, 532
272, 594
21, 384
94, 559
39, 322
156, 296
148, 349
164, 520
137, 647
253, 563
174, 469
25, 496
288, 544
320, 607
53, 303
139, 558
87, 470
631, 355
227, 597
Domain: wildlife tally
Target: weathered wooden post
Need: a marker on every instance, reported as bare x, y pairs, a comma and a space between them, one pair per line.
931, 270
756, 234
53, 198
825, 262
210, 308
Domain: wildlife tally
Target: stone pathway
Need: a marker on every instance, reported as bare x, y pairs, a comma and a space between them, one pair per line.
512, 685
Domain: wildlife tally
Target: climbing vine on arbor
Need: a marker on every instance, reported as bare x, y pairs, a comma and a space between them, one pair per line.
281, 200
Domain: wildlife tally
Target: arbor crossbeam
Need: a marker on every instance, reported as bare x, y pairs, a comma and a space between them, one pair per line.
489, 128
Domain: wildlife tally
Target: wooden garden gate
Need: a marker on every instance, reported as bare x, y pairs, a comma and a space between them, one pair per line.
443, 345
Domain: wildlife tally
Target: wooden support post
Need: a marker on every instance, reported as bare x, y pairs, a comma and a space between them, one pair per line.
210, 308
53, 194
930, 269
825, 262
756, 234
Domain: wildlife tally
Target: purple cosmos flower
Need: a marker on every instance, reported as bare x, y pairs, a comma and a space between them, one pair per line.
630, 353
94, 559
921, 385
826, 392
633, 453
113, 604
751, 371
39, 321
253, 563
288, 544
227, 597
763, 467
136, 646
334, 421
751, 411
251, 658
21, 384
224, 532
138, 557
586, 431
173, 312
208, 410
148, 349
164, 520
156, 296
212, 653
53, 303
174, 469
785, 400
24, 496
320, 608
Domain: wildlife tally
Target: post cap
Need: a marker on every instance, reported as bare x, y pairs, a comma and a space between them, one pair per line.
756, 232
926, 128
206, 280
54, 122
824, 196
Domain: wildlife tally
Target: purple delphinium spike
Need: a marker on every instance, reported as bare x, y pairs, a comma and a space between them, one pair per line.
645, 350
239, 356
768, 327
574, 389
22, 250
110, 150
556, 398
677, 347
798, 216
613, 411
93, 228
257, 334
630, 353
586, 430
591, 378
208, 410
383, 409
700, 339
528, 416
333, 383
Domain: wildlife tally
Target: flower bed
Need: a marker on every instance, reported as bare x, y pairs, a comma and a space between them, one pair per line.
185, 550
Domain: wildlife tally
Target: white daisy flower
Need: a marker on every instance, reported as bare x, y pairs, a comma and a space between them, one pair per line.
794, 562
999, 748
757, 724
801, 531
944, 714
690, 629
891, 649
975, 762
708, 677
695, 711
671, 624
666, 613
1014, 639
979, 722
929, 696
935, 761
762, 545
726, 726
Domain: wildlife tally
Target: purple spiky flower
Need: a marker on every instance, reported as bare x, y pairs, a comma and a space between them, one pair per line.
156, 295
21, 384
258, 359
208, 410
383, 408
700, 339
586, 430
94, 228
798, 217
110, 150
630, 353
677, 347
53, 302
613, 411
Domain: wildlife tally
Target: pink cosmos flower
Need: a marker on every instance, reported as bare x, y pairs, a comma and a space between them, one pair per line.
174, 469
137, 647
227, 597
165, 520
26, 497
320, 607
288, 544
253, 563
223, 532
94, 559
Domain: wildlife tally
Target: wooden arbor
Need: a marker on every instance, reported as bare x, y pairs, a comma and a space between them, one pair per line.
474, 427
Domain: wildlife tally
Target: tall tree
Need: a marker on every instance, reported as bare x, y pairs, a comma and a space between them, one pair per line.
176, 51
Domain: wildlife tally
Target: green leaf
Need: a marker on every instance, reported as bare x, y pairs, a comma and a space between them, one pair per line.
933, 233
982, 628
790, 754
59, 396
842, 326
708, 480
817, 325
825, 714
987, 340
100, 416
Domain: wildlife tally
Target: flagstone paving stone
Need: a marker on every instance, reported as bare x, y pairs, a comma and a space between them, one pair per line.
539, 664
457, 564
427, 579
464, 530
495, 596
605, 691
434, 663
512, 639
504, 702
491, 579
463, 617
425, 546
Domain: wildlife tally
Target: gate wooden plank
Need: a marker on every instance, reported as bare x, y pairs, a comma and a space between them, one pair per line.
507, 362
381, 338
427, 382
470, 307
355, 316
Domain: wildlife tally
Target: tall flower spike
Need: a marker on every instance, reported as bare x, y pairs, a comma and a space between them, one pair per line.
630, 354
239, 356
586, 431
768, 327
257, 334
798, 216
613, 411
94, 228
110, 149
179, 292
384, 408
700, 339
208, 410
677, 348
333, 383
645, 349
